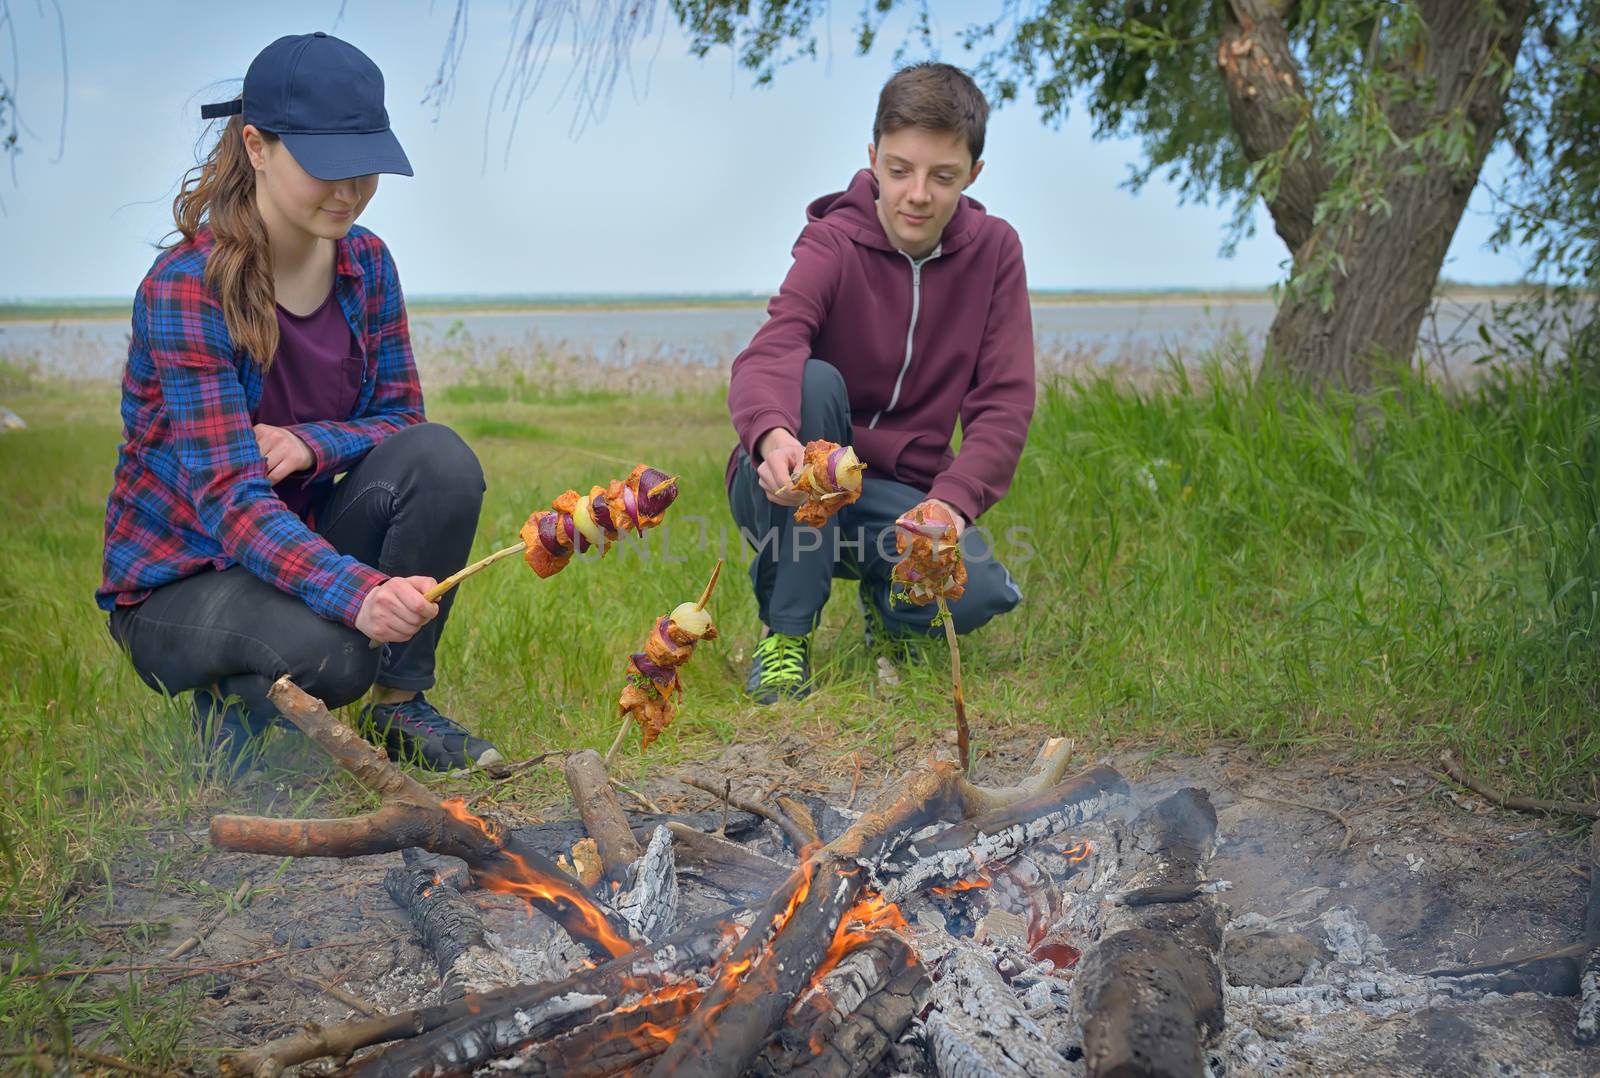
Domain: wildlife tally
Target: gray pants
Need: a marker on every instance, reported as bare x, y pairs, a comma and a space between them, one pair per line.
794, 566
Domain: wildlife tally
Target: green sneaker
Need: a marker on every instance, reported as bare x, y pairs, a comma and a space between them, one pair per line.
781, 669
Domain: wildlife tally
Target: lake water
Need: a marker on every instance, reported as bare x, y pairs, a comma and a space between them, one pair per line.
1110, 330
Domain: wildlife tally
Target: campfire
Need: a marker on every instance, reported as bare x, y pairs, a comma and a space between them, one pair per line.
1061, 924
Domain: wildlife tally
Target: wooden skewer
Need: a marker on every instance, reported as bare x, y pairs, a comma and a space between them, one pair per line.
963, 737
661, 486
627, 724
435, 593
705, 596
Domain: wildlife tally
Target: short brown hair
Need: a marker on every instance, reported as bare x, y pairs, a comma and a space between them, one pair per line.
934, 97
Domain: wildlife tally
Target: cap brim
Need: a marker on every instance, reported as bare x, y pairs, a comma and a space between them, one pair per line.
341, 156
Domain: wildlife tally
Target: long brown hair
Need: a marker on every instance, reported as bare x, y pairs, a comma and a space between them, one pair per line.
220, 192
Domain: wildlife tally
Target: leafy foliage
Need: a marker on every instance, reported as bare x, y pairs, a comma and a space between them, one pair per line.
1550, 203
1149, 70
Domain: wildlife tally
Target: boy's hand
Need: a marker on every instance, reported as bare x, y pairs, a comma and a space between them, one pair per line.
781, 457
283, 451
955, 514
393, 611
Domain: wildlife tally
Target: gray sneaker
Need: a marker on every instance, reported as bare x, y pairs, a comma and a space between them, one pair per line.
780, 669
414, 730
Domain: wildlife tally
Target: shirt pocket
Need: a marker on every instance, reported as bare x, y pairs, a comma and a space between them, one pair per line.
352, 373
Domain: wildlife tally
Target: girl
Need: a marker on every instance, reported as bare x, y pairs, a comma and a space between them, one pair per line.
270, 353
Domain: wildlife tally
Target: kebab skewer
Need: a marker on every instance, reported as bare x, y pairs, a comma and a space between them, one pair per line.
829, 477
575, 524
646, 699
931, 571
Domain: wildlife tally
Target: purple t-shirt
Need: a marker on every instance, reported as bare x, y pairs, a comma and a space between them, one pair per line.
315, 375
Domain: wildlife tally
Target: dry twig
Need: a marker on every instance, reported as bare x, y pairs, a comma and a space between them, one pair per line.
1453, 768
795, 833
1349, 829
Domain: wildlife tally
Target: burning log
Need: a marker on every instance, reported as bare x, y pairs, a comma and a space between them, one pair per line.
778, 957
791, 934
451, 931
853, 1016
485, 1027
1588, 1027
615, 1043
1151, 990
415, 816
978, 1030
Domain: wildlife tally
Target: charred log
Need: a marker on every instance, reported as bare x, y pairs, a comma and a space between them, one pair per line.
1588, 1027
977, 1028
960, 851
649, 898
336, 1042
849, 1021
452, 932
614, 1043
726, 865
486, 1027
1151, 990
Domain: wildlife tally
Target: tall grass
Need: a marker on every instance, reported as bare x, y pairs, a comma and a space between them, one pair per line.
1201, 557
1252, 561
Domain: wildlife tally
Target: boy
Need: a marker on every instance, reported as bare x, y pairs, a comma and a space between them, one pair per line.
905, 310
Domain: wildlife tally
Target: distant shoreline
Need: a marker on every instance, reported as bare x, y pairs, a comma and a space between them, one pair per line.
434, 306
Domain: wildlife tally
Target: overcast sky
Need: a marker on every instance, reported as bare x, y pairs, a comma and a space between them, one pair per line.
694, 181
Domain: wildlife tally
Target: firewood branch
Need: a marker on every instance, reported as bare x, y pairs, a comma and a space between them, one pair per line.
413, 815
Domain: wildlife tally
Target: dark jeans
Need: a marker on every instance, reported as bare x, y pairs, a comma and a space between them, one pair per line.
794, 565
409, 508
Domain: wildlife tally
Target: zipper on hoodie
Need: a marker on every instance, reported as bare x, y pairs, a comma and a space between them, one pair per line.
916, 309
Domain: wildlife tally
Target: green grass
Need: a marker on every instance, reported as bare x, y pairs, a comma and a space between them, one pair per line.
1201, 559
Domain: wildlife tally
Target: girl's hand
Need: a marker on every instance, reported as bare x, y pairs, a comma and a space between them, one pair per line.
393, 611
283, 451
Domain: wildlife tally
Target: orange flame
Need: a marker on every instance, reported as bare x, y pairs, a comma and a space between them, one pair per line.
530, 884
963, 885
1079, 851
858, 924
871, 914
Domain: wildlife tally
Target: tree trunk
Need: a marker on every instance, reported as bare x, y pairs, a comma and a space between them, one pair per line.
1381, 267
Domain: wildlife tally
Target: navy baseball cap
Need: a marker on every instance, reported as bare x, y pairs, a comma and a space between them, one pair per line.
324, 98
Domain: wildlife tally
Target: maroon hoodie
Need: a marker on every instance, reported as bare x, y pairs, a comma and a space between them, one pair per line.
918, 345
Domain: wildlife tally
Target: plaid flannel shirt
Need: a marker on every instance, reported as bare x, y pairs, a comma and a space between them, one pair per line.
190, 490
